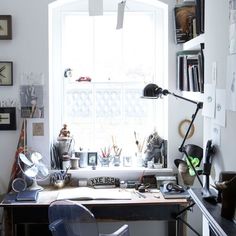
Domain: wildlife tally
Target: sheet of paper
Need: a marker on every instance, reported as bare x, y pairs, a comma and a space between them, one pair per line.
232, 26
86, 193
214, 72
120, 14
209, 101
231, 83
220, 107
95, 7
215, 134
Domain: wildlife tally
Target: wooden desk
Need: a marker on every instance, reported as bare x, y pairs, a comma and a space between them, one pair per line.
219, 226
154, 207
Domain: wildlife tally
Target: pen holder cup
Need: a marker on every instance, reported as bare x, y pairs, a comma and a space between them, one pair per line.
105, 161
60, 183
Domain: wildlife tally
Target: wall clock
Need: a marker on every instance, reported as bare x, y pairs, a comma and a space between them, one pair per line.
6, 73
5, 27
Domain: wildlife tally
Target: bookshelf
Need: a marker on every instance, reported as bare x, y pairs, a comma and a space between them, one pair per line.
185, 65
190, 70
196, 96
195, 43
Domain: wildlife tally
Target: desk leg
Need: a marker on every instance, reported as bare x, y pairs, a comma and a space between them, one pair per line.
8, 227
172, 228
176, 228
181, 227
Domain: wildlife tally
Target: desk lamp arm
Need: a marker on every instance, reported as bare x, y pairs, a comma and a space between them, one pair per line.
181, 148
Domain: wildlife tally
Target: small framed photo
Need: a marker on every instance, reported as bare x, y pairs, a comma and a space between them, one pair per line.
5, 27
6, 73
92, 158
7, 118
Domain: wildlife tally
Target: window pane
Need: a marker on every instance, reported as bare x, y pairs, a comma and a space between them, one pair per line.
77, 43
139, 56
119, 62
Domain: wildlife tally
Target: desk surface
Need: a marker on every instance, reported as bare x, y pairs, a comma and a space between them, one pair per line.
154, 197
151, 207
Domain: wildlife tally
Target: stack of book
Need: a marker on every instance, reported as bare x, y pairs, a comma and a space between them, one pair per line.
190, 71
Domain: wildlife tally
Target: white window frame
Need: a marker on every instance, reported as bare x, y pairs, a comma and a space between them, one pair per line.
56, 107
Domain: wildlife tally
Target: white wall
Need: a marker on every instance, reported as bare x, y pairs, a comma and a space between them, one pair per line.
28, 50
217, 36
216, 44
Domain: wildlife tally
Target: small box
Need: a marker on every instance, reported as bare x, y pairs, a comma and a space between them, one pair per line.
161, 180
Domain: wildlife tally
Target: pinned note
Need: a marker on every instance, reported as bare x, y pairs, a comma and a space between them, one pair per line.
220, 107
209, 100
120, 14
95, 7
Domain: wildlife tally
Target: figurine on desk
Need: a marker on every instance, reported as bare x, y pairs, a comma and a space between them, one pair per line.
65, 147
155, 149
64, 132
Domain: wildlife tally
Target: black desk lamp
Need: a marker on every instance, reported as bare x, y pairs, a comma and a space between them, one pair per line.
152, 91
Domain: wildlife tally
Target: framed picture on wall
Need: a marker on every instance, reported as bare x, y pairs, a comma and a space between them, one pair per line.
7, 118
92, 158
6, 73
5, 27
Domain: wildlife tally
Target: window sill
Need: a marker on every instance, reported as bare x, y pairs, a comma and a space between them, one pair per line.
123, 173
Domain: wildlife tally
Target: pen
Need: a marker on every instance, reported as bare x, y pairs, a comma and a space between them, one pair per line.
140, 195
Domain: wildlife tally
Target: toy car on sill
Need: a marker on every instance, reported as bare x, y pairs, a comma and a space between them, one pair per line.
84, 79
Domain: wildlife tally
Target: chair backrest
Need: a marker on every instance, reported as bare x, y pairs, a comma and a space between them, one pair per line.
68, 218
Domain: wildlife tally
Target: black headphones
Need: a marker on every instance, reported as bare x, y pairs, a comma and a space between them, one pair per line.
174, 187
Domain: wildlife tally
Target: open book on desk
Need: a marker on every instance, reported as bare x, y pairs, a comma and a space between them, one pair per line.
87, 193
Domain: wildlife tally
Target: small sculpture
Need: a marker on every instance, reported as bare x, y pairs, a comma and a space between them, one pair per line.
155, 148
64, 132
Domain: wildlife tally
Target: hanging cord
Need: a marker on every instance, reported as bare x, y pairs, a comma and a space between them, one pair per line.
179, 218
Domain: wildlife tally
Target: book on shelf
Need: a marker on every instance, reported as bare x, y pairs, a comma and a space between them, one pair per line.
188, 20
200, 16
190, 74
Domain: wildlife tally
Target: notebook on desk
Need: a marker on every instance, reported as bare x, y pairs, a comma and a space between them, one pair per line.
27, 195
23, 196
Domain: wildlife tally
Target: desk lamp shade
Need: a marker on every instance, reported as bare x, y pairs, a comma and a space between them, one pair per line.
193, 151
152, 91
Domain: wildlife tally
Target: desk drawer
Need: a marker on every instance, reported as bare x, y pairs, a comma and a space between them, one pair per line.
130, 213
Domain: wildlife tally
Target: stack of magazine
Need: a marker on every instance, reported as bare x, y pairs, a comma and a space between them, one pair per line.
188, 20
